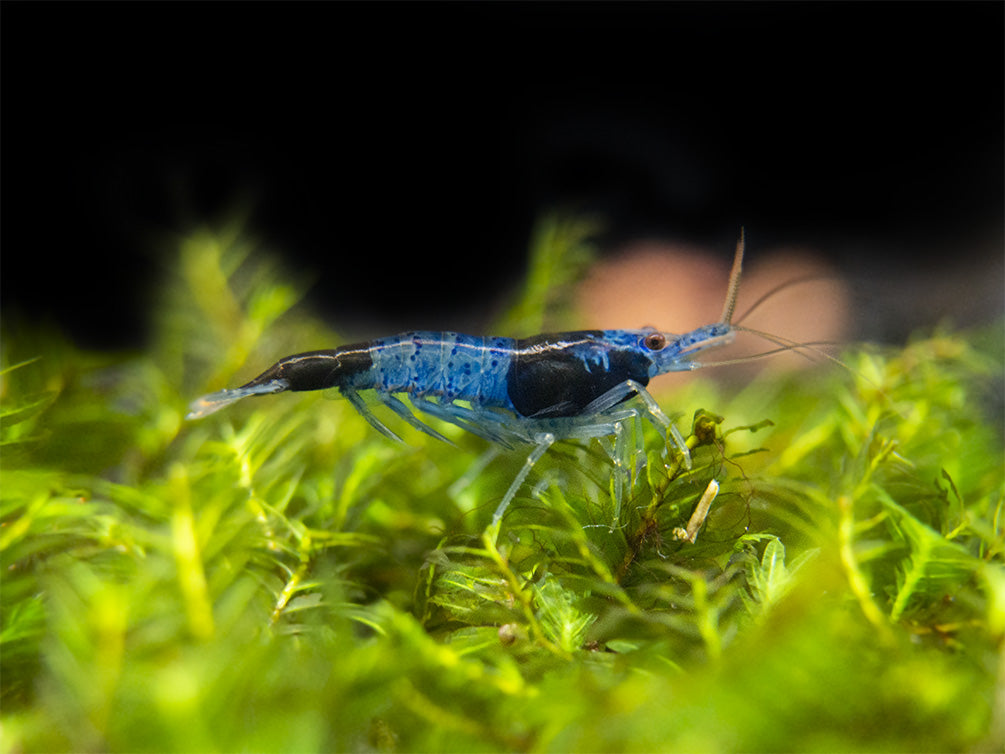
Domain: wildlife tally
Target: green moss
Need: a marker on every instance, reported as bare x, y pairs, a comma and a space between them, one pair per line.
280, 577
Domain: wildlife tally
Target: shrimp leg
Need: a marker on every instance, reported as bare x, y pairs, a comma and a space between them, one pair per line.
544, 441
654, 413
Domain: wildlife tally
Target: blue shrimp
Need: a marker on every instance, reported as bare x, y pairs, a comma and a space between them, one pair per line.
528, 391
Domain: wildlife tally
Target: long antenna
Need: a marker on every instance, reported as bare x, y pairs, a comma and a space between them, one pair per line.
734, 282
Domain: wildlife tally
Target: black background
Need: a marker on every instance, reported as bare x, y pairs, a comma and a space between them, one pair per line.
403, 152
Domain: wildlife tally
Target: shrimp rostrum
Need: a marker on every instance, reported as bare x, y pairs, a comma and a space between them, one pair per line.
515, 391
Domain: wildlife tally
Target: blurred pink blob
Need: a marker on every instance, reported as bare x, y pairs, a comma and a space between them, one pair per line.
677, 288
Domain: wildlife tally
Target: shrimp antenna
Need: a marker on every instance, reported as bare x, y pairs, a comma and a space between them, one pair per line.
811, 278
806, 350
734, 282
803, 349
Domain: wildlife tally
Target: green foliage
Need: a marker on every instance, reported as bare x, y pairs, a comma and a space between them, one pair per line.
279, 577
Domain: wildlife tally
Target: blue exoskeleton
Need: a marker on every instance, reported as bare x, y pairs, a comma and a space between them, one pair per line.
518, 391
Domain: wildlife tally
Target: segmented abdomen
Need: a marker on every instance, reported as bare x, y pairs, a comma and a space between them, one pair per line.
448, 364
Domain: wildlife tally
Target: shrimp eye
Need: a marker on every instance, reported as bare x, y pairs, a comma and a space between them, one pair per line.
655, 342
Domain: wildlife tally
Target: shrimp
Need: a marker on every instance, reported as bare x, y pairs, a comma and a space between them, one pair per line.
527, 391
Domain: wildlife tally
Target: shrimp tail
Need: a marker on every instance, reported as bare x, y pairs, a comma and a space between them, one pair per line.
314, 370
210, 404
